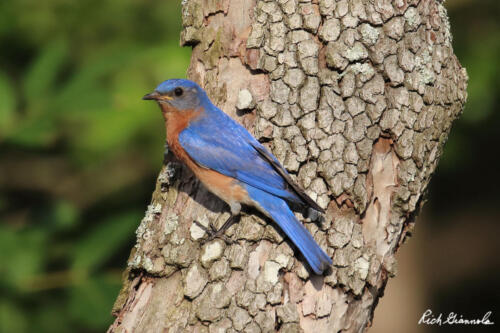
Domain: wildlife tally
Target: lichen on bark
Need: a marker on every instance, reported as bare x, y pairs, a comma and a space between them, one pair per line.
356, 99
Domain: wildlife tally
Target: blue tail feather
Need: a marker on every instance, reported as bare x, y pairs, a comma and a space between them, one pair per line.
278, 209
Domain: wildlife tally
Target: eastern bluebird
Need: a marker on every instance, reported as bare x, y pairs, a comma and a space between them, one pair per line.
232, 164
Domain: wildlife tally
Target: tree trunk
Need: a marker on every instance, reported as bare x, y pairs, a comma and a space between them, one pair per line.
356, 98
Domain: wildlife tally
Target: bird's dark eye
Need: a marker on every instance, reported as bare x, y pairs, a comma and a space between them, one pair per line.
178, 91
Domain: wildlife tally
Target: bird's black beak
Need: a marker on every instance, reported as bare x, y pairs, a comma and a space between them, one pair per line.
151, 97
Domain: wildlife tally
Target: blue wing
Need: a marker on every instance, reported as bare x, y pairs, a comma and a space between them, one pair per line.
217, 142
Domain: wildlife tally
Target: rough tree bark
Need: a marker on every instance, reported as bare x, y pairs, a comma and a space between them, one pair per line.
356, 98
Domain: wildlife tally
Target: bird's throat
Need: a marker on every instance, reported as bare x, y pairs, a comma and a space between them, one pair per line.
175, 122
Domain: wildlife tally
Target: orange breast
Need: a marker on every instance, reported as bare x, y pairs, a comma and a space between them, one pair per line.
225, 187
175, 122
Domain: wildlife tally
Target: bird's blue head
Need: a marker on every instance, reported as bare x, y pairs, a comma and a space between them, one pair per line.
180, 94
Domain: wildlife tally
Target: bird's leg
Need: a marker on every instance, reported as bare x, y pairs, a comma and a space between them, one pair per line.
214, 233
229, 222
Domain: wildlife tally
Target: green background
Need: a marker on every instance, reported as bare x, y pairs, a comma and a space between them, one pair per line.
80, 150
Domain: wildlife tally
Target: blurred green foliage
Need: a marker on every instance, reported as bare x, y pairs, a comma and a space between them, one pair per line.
474, 140
79, 150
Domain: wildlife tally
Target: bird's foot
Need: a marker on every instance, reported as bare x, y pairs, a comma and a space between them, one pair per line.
213, 233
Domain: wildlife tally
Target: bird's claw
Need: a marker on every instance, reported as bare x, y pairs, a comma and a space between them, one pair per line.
213, 233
